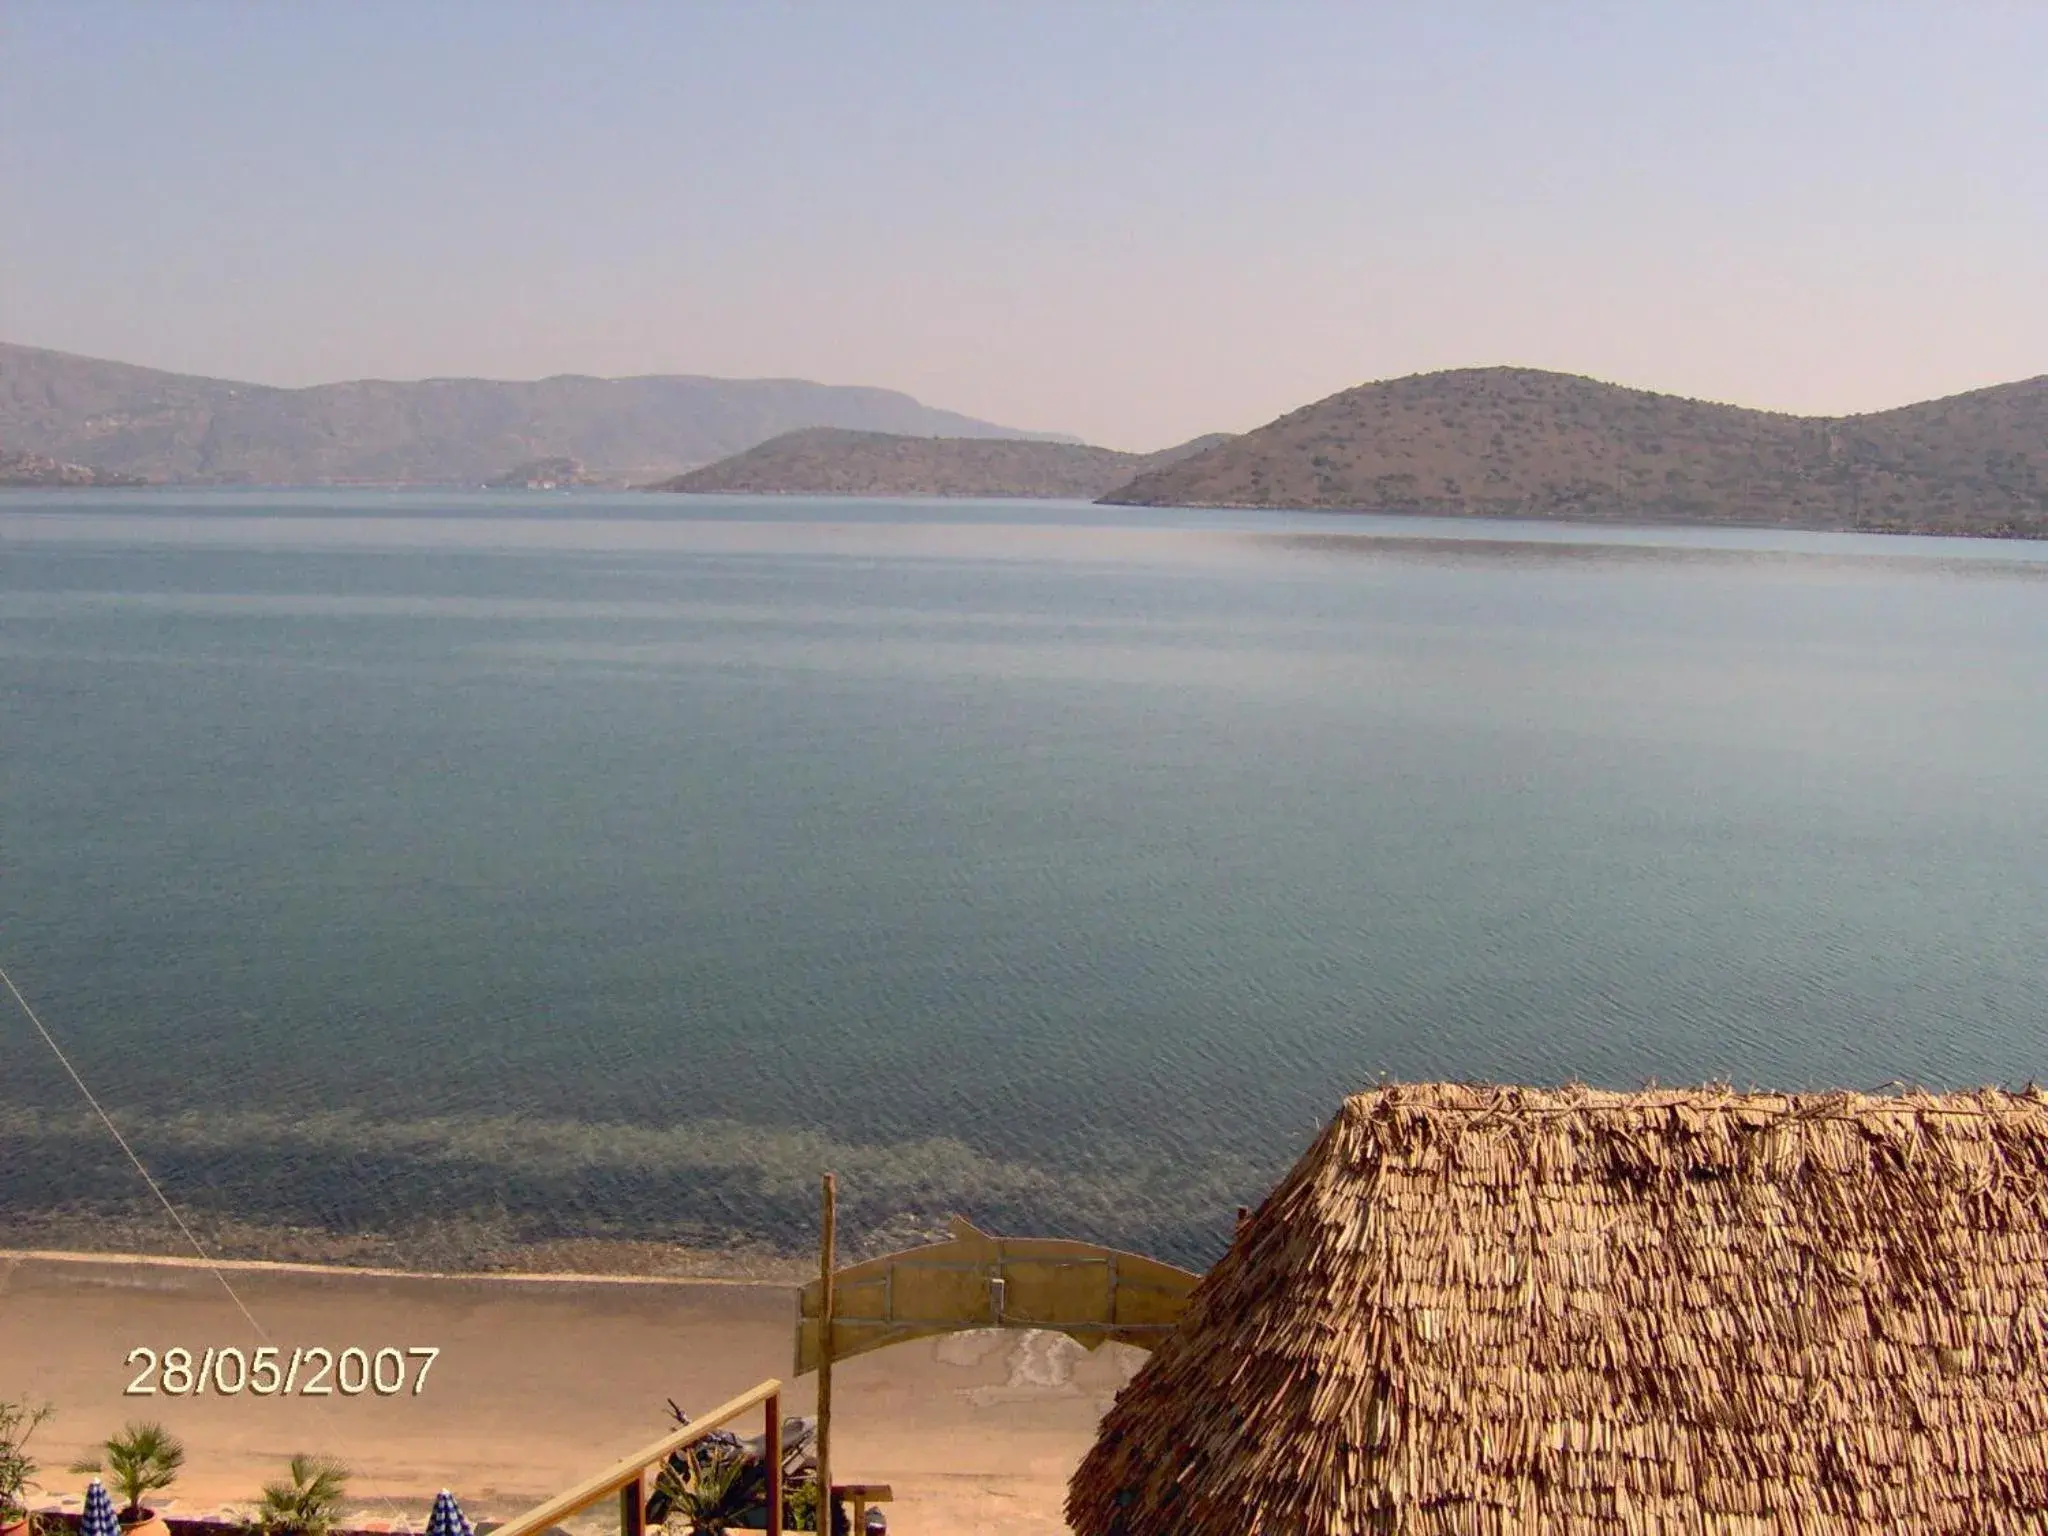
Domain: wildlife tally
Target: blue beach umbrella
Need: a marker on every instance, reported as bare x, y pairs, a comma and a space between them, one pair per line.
98, 1519
446, 1520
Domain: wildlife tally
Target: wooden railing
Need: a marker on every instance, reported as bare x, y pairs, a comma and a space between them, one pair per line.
628, 1477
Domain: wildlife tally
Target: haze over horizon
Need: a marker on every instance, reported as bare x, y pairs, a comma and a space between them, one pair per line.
1134, 224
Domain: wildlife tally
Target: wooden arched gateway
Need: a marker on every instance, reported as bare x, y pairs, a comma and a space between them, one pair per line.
971, 1280
974, 1280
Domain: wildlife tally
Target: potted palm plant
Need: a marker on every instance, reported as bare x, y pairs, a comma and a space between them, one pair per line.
17, 1469
141, 1460
307, 1502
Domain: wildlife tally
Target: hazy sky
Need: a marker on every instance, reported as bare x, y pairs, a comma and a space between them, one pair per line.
1132, 221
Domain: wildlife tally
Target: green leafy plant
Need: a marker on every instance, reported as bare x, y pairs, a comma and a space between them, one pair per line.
307, 1502
711, 1491
800, 1505
18, 1421
713, 1486
141, 1460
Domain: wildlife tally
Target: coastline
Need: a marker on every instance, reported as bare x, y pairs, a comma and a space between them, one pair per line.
450, 1249
295, 1267
541, 1378
1635, 517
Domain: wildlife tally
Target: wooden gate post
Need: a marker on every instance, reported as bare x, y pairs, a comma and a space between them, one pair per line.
633, 1507
827, 1241
771, 1452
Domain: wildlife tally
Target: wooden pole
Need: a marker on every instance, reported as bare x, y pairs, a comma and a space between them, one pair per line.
771, 1452
633, 1507
827, 1240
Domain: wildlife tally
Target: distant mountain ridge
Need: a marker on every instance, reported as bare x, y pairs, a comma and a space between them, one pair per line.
831, 461
1507, 442
1522, 442
182, 428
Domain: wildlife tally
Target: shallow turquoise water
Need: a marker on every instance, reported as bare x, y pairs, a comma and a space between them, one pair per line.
607, 865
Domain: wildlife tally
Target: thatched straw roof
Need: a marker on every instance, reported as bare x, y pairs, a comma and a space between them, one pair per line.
1482, 1310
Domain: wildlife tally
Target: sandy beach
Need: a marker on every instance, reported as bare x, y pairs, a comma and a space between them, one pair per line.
539, 1382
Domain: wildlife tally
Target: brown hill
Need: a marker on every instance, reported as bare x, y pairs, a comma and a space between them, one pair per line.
183, 428
1519, 442
826, 461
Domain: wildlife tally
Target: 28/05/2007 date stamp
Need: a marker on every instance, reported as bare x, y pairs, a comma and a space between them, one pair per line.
268, 1372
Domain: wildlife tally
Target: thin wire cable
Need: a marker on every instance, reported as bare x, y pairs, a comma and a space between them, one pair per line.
115, 1131
157, 1190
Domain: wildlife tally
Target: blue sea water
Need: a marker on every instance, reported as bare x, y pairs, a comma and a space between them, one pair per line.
607, 865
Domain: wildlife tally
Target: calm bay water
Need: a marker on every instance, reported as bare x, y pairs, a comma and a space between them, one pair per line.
608, 865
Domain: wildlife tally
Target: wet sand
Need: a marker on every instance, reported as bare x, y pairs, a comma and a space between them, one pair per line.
540, 1382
